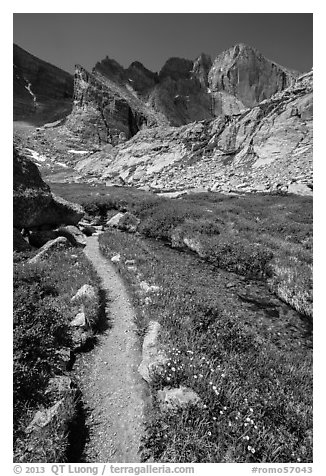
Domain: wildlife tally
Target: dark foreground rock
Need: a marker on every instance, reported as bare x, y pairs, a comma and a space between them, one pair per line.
33, 203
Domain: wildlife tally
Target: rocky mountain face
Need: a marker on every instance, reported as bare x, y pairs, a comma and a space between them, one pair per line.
42, 92
238, 123
267, 147
105, 111
114, 103
246, 74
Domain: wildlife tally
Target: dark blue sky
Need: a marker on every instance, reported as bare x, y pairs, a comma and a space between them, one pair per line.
66, 39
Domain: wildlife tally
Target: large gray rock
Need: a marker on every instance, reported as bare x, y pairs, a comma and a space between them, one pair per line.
124, 221
58, 244
59, 385
73, 234
45, 417
173, 398
153, 358
115, 220
85, 293
33, 203
300, 189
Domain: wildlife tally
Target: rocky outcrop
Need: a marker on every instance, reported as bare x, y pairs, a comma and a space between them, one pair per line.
264, 148
34, 204
42, 92
59, 243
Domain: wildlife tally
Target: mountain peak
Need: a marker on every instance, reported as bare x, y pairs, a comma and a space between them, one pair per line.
245, 73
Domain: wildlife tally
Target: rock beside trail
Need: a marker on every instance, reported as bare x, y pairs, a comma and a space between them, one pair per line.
153, 359
86, 292
59, 385
174, 398
73, 234
115, 220
79, 320
116, 258
45, 417
58, 244
124, 221
33, 203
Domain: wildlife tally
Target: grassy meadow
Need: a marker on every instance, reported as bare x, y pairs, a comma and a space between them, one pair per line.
219, 262
252, 373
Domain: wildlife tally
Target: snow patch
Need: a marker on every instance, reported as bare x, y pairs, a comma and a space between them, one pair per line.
36, 156
28, 87
62, 164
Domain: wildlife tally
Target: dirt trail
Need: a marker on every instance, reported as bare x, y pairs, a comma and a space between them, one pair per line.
113, 391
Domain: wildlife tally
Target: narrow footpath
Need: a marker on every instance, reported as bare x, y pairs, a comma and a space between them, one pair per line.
113, 391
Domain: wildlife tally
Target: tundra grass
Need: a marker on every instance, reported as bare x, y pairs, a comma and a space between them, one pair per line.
41, 335
263, 236
254, 378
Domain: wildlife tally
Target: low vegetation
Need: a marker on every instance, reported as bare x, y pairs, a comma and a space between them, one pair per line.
43, 339
259, 236
252, 373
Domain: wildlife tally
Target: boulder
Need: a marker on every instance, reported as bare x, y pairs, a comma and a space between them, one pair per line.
173, 398
45, 417
79, 320
59, 243
59, 385
300, 189
33, 203
86, 292
116, 258
19, 243
129, 222
114, 221
153, 359
73, 234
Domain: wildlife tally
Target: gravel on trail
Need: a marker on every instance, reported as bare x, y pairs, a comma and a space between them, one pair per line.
114, 393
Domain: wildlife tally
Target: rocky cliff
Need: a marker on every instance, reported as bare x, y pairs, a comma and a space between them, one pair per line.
105, 111
33, 203
42, 92
246, 74
267, 147
182, 92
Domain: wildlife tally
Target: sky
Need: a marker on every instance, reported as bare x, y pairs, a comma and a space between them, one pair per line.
66, 39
